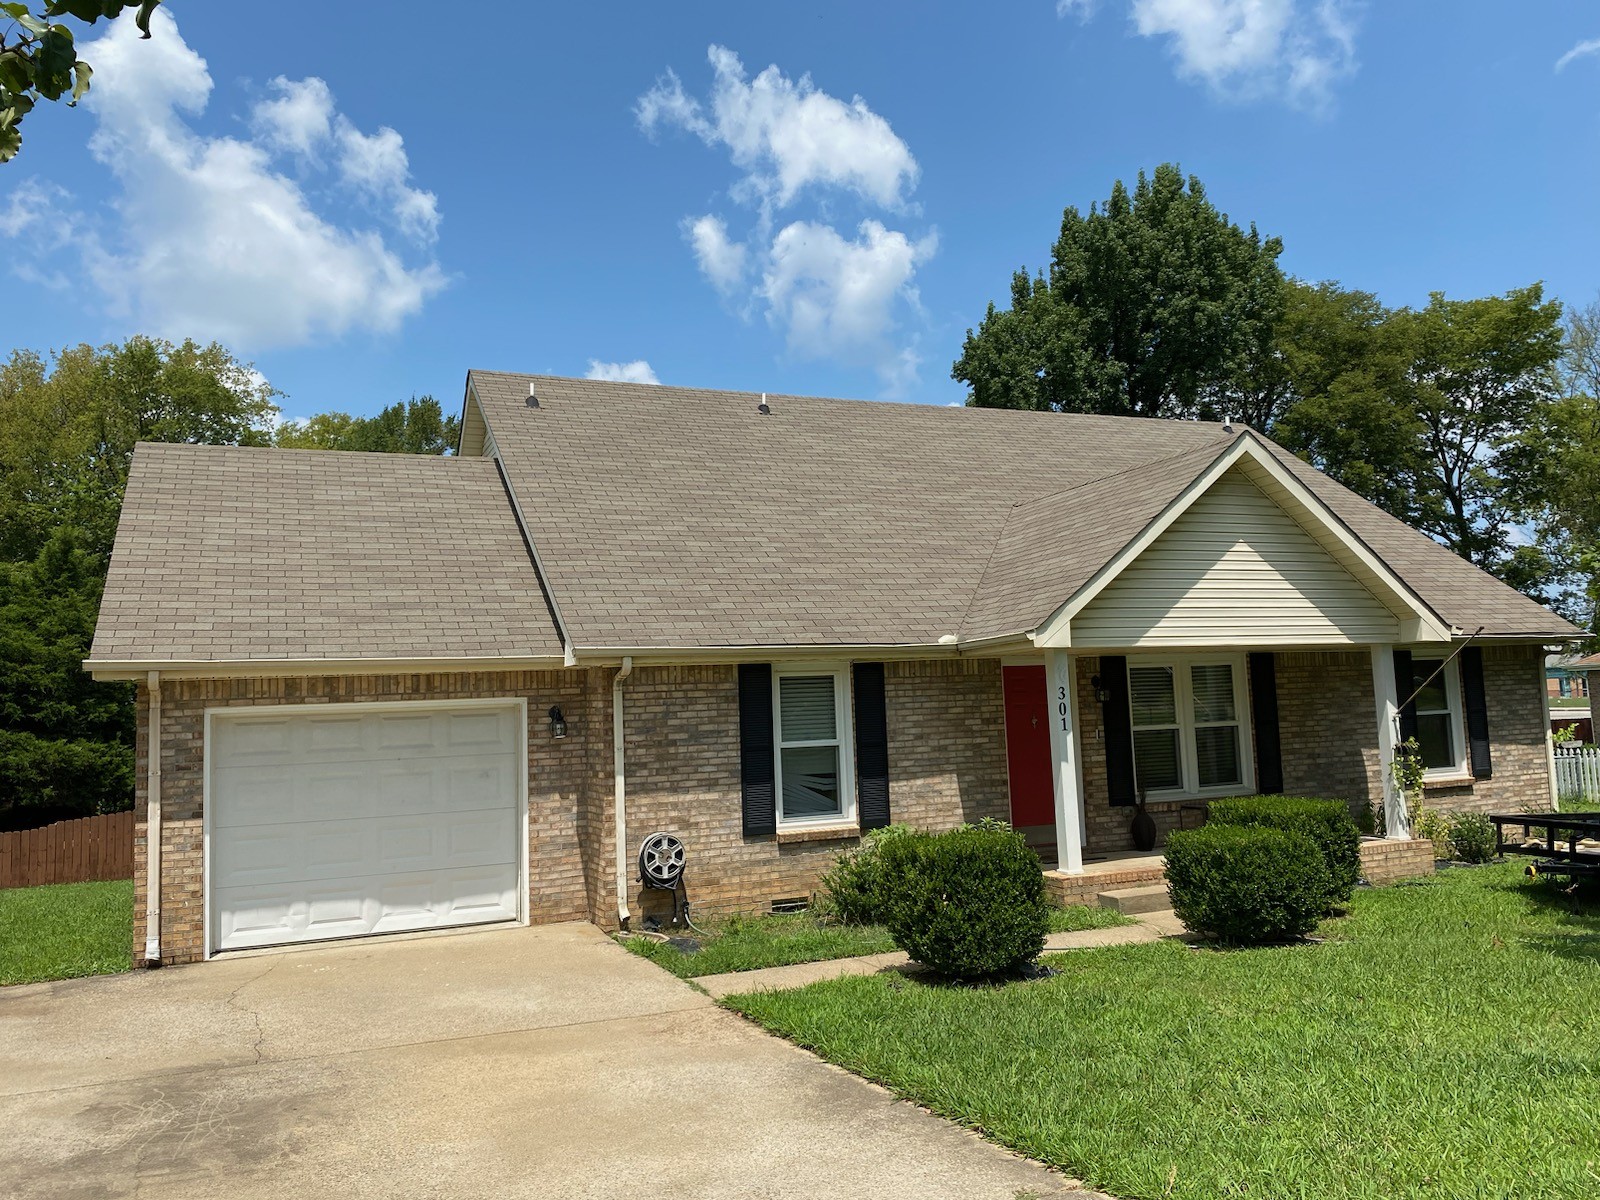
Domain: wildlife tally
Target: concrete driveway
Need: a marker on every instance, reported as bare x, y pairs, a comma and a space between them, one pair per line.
500, 1063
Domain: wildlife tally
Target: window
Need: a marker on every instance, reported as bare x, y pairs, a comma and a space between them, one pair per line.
1188, 738
1438, 707
811, 709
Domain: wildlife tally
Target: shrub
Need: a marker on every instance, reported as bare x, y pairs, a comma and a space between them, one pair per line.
1326, 822
1430, 823
1247, 884
968, 903
852, 890
1472, 837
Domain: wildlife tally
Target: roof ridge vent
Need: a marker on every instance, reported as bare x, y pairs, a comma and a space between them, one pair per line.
764, 408
533, 398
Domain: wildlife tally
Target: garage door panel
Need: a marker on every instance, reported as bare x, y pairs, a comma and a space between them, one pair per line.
338, 824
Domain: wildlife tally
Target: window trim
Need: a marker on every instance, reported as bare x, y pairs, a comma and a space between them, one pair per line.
1457, 712
844, 738
1188, 754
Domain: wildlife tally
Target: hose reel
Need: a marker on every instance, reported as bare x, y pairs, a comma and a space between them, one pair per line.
661, 862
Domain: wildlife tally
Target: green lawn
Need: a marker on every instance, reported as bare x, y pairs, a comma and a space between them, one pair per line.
749, 943
1440, 1043
65, 930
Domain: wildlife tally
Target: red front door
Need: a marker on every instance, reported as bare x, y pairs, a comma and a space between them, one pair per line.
1033, 799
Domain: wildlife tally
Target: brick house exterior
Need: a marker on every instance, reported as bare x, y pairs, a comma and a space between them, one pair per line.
946, 756
316, 629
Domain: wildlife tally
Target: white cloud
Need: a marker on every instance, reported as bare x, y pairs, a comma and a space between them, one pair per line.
785, 134
39, 211
638, 371
829, 295
835, 298
722, 260
298, 119
1244, 49
1579, 51
210, 237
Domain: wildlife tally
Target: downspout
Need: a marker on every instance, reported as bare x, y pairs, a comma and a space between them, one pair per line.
152, 828
620, 785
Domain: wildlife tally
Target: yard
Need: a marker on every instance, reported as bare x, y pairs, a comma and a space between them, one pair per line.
749, 943
1439, 1042
65, 930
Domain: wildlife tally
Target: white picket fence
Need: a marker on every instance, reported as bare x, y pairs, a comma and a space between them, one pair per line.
1578, 774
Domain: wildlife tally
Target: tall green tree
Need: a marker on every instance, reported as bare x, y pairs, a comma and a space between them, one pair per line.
39, 57
1154, 305
1557, 485
68, 427
414, 426
1421, 411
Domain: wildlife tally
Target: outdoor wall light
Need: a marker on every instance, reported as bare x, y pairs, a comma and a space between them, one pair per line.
558, 723
1101, 692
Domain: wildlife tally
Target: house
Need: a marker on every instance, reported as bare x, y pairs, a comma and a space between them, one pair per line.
384, 693
1567, 681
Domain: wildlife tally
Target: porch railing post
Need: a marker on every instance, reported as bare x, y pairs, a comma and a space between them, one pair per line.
1067, 769
1396, 820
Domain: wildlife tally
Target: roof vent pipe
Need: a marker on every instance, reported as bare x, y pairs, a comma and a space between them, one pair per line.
764, 408
533, 400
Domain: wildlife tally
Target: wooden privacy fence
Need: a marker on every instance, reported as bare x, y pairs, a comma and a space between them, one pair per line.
1578, 774
68, 852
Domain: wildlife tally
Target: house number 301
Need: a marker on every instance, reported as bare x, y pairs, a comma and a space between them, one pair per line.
1061, 707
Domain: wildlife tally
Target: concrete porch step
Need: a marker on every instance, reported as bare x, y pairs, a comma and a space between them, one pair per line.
1151, 897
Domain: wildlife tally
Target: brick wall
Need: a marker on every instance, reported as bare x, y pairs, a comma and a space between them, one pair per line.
1513, 678
559, 775
946, 766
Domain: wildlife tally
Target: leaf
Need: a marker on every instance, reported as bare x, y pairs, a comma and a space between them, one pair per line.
81, 72
14, 11
143, 19
10, 142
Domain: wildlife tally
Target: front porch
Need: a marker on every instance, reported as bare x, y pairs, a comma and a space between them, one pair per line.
1090, 732
1383, 860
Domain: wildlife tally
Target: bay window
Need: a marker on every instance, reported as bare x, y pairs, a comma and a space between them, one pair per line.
811, 714
1189, 735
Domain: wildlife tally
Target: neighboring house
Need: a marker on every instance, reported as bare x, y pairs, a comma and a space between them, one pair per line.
1566, 677
393, 693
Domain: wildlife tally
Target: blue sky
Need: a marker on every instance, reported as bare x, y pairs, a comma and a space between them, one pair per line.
807, 198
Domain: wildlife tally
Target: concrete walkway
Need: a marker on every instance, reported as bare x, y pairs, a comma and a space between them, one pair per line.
1148, 927
498, 1063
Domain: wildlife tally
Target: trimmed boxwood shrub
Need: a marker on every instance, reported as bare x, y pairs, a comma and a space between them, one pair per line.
1327, 823
1246, 884
967, 903
852, 889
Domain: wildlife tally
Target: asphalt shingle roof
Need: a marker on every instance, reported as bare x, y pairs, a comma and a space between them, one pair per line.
226, 553
679, 517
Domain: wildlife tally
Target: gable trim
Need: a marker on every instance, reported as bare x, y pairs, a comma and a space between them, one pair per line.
1419, 624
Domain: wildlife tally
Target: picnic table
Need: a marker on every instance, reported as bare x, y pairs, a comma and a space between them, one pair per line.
1564, 844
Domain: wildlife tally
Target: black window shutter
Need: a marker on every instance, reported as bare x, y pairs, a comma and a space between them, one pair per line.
1264, 715
872, 746
1477, 706
1119, 729
1404, 685
756, 774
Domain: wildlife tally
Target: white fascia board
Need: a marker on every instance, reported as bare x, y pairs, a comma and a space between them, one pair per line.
663, 656
117, 669
1419, 620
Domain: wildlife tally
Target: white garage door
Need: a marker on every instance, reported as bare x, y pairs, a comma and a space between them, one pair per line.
334, 821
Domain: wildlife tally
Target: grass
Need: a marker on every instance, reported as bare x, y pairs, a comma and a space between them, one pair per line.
742, 943
1439, 1043
65, 930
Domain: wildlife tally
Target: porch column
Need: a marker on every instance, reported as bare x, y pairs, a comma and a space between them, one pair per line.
1067, 766
1396, 820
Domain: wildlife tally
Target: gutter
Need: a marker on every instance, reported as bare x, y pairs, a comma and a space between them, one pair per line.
152, 829
620, 790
